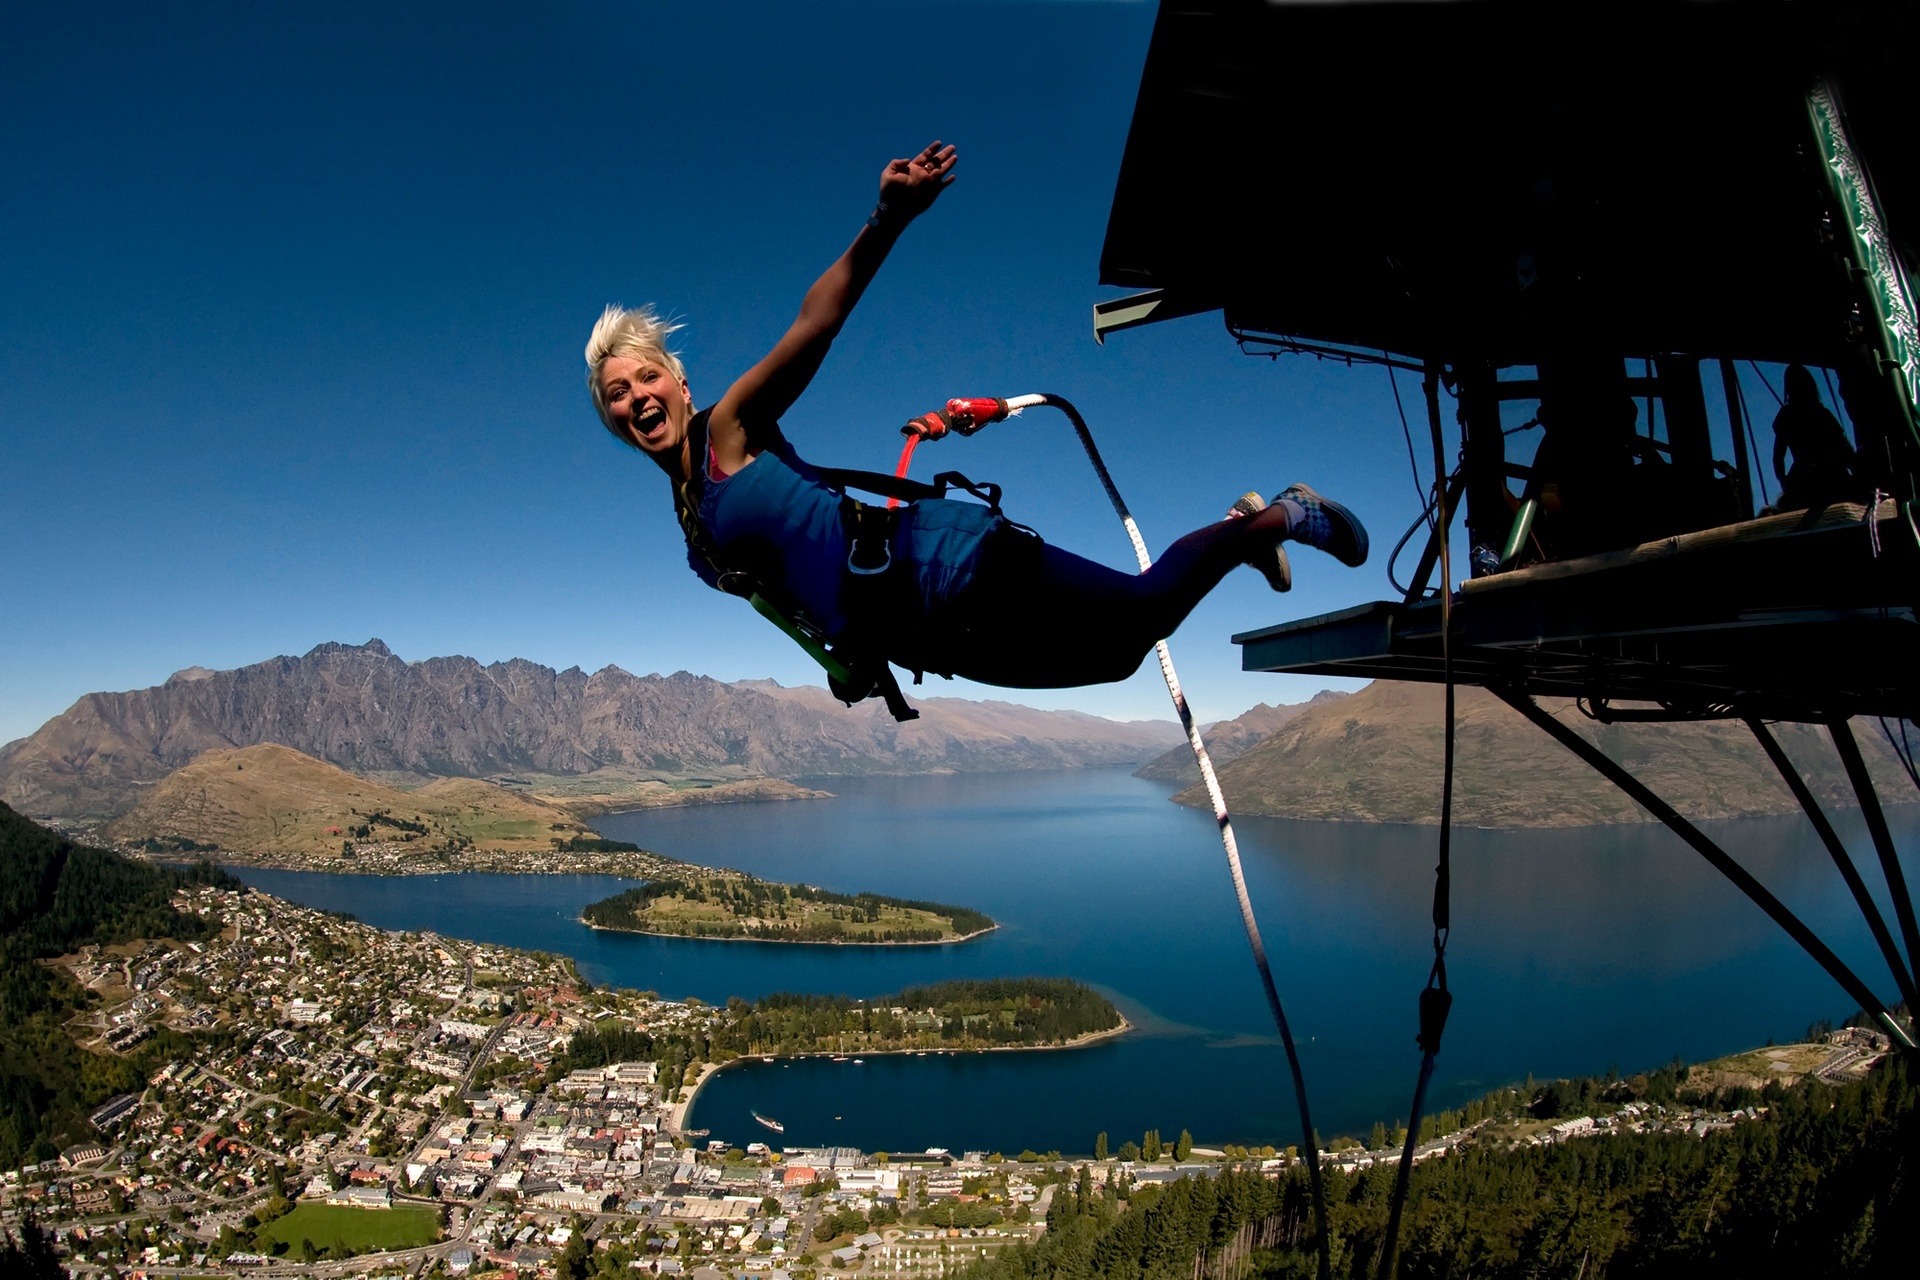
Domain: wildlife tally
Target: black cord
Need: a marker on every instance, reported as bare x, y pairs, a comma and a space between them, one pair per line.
1423, 520
1744, 420
1309, 1136
1761, 374
1413, 461
1435, 1000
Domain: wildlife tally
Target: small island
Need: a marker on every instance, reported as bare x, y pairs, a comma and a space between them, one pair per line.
951, 1016
729, 905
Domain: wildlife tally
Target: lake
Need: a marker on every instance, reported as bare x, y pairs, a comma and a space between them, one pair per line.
1573, 952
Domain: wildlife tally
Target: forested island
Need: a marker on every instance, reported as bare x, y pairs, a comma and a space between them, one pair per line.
965, 1013
732, 905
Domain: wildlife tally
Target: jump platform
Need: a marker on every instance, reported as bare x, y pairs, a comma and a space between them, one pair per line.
1806, 615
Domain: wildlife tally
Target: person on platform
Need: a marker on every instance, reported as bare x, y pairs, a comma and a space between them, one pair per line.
964, 591
1822, 468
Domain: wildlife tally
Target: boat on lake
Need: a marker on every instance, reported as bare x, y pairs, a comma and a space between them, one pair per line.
769, 1121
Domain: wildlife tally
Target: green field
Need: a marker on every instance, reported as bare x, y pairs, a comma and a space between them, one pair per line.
343, 1229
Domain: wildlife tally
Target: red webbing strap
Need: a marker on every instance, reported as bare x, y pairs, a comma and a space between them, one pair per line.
906, 458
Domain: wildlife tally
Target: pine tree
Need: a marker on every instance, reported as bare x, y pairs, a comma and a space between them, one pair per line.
31, 1255
575, 1260
1100, 1145
1183, 1145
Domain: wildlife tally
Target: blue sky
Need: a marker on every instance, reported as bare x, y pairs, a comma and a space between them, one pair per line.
295, 298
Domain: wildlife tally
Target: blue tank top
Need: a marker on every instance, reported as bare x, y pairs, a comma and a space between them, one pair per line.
777, 520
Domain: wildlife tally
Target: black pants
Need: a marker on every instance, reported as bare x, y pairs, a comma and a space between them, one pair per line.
1037, 617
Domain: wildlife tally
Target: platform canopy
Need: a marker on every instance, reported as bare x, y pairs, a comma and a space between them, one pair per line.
1405, 176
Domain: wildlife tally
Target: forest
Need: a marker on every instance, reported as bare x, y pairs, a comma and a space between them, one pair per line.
1822, 1183
744, 906
961, 1014
56, 896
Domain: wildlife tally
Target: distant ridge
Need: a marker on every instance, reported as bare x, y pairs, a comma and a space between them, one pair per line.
1230, 739
364, 710
1375, 756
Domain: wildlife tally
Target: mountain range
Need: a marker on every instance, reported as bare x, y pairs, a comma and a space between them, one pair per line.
362, 709
1375, 756
613, 740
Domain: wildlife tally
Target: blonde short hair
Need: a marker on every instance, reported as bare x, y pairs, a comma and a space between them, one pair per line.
639, 334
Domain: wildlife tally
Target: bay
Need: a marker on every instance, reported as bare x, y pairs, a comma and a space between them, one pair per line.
1573, 952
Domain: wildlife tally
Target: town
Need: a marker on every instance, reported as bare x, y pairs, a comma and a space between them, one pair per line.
357, 1102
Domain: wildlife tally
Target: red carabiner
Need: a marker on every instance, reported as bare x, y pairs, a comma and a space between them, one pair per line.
967, 414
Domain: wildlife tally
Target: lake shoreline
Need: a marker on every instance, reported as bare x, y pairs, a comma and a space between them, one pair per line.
1092, 874
710, 1069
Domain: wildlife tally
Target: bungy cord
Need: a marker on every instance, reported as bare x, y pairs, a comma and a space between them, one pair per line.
1309, 1145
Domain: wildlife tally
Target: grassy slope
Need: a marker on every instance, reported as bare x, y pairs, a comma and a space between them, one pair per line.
617, 790
271, 798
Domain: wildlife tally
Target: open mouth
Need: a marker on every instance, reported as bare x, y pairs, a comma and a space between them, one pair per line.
650, 421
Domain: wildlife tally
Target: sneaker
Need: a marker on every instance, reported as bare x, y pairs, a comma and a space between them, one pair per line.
1328, 526
1270, 561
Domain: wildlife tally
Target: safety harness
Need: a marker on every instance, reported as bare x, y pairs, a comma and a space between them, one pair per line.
856, 663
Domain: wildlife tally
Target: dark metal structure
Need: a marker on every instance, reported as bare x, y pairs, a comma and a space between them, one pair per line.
1589, 211
1572, 221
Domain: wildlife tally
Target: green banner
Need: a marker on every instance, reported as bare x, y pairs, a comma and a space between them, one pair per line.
1873, 252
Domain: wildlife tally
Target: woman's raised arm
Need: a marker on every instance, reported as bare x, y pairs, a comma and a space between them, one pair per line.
908, 188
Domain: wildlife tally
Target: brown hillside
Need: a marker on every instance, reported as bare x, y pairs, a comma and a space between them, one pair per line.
1376, 757
1230, 739
273, 799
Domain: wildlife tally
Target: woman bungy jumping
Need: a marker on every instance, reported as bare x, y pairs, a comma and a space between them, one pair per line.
955, 588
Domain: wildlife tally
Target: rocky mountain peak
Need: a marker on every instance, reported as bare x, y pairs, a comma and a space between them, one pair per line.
375, 648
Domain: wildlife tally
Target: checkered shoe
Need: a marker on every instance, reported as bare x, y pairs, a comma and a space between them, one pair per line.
1328, 525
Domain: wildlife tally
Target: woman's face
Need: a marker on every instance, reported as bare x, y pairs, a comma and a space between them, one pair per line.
646, 402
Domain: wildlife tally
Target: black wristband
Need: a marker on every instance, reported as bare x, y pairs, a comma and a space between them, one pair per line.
878, 215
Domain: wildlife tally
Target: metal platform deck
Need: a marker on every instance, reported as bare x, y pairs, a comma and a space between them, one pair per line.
1801, 616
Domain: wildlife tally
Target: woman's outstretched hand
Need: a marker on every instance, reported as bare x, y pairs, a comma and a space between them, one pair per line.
908, 188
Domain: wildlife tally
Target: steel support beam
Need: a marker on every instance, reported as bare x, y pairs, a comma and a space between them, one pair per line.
1862, 896
1716, 857
1842, 734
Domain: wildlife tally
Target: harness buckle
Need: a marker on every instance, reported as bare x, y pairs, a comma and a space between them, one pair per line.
869, 538
735, 583
854, 565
